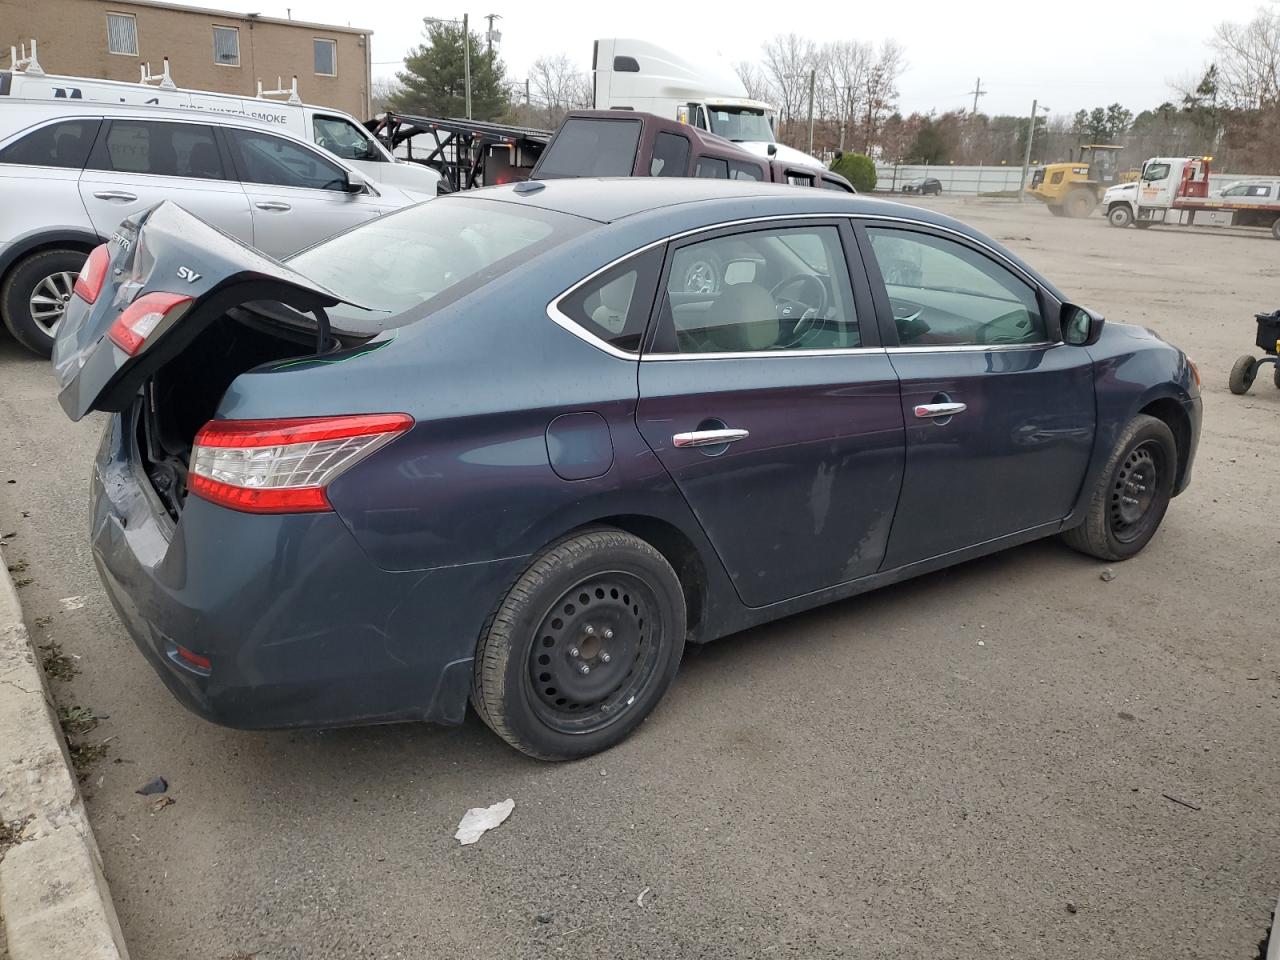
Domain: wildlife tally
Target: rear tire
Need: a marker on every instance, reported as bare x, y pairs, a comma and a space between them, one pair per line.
1243, 373
1080, 203
34, 296
582, 648
1120, 215
1132, 493
1275, 229
1275, 374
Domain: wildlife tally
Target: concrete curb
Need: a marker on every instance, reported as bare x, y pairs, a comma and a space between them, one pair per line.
54, 899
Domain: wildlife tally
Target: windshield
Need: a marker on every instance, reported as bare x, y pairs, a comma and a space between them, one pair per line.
740, 123
415, 261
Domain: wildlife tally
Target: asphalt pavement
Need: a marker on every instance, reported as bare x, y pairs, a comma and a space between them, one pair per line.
1012, 758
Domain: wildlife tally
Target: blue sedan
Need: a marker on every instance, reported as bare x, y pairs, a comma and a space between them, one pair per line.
520, 446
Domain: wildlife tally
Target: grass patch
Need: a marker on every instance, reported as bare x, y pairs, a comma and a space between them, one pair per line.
18, 567
77, 720
85, 755
56, 663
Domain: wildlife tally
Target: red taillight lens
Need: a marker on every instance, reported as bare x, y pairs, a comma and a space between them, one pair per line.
283, 466
193, 658
93, 274
141, 318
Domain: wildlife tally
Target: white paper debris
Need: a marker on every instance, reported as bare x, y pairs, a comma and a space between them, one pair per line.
72, 603
477, 821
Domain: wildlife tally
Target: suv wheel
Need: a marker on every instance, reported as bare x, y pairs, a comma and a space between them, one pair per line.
35, 294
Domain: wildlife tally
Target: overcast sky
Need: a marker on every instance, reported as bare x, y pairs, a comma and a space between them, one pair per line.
1069, 56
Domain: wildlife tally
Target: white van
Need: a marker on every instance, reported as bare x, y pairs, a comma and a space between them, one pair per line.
335, 131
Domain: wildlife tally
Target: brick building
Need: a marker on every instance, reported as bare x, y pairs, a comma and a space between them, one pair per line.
207, 49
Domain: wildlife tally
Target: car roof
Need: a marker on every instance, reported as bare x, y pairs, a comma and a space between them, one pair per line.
41, 108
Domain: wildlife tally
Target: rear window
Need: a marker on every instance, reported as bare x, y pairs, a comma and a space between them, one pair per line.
588, 147
414, 261
64, 144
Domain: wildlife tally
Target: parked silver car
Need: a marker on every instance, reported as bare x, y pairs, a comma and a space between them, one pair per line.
70, 172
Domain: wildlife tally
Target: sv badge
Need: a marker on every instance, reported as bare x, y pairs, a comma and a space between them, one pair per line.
187, 274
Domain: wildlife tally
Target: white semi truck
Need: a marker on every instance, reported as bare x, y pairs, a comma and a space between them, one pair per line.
639, 75
1175, 190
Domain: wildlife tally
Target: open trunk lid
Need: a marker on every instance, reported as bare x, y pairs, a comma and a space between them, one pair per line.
165, 250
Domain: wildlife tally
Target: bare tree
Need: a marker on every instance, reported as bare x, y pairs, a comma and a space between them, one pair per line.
755, 80
381, 92
1248, 60
881, 87
845, 65
787, 60
558, 86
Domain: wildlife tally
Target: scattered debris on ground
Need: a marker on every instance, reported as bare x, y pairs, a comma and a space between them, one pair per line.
18, 566
158, 785
56, 664
1126, 715
543, 918
24, 582
1185, 803
12, 832
477, 821
77, 721
72, 603
640, 899
1107, 575
1071, 907
159, 803
85, 755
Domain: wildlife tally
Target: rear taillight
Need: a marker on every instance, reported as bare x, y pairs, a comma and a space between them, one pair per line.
283, 466
141, 319
93, 274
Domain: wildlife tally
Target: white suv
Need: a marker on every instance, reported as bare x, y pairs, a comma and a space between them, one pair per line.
73, 170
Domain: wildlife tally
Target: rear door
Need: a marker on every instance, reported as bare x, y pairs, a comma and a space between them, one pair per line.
766, 396
296, 194
137, 163
999, 412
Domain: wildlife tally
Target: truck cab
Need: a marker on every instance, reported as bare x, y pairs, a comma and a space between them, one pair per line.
1075, 187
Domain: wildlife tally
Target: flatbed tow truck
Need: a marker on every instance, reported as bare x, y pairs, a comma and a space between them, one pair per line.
1175, 191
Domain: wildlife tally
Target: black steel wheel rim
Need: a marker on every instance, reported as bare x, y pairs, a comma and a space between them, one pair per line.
595, 650
1136, 491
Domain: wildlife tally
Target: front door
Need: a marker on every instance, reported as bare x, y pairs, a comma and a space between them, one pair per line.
766, 397
999, 412
296, 194
135, 164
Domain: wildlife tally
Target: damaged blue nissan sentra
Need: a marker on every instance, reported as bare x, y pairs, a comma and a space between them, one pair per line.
521, 445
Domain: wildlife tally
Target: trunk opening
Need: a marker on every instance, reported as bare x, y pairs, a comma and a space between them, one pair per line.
183, 395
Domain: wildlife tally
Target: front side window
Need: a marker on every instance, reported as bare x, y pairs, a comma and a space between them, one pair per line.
615, 305
418, 259
1259, 191
589, 147
670, 155
122, 34
1155, 171
263, 158
712, 167
64, 144
944, 293
226, 46
326, 57
760, 291
160, 149
343, 139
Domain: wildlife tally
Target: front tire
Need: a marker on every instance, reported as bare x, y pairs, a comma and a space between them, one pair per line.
1080, 204
35, 294
1243, 373
1120, 216
1131, 495
582, 648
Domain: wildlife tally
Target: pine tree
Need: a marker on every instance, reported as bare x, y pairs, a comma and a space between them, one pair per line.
433, 81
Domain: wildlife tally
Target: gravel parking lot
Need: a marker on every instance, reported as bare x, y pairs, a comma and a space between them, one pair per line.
984, 763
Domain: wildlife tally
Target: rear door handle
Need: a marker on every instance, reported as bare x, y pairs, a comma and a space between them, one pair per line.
929, 411
709, 438
116, 195
273, 205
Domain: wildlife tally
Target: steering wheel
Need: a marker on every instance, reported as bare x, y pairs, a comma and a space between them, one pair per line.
803, 313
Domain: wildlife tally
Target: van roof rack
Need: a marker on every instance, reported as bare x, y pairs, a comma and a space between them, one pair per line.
162, 80
291, 92
21, 63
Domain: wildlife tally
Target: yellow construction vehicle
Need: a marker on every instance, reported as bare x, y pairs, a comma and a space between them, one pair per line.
1074, 188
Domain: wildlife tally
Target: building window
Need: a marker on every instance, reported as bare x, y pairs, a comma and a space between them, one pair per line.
226, 46
122, 34
326, 57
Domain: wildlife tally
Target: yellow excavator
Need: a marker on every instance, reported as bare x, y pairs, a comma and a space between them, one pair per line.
1074, 188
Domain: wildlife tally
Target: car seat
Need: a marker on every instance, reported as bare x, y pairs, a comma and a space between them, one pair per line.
743, 319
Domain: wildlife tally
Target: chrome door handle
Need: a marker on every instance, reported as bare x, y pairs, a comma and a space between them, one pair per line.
928, 411
709, 438
273, 205
116, 195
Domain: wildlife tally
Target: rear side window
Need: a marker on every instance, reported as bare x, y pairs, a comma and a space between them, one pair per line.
64, 144
264, 158
615, 305
590, 147
161, 149
740, 170
712, 167
670, 155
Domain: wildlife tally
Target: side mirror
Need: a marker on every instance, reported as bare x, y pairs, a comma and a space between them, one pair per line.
772, 150
354, 183
1080, 327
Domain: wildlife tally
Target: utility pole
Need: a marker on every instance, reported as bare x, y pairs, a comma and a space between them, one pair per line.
847, 109
813, 75
526, 91
1026, 158
977, 92
466, 60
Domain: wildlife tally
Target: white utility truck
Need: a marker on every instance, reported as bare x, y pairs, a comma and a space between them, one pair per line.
638, 75
1175, 190
332, 130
